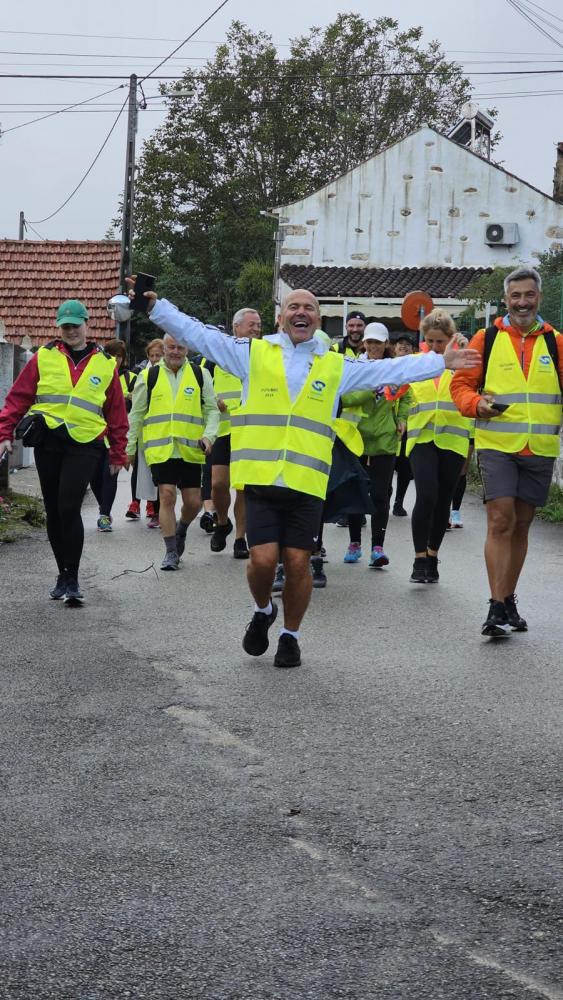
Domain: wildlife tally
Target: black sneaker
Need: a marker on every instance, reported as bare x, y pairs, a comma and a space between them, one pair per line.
419, 570
219, 537
497, 625
255, 640
240, 549
516, 622
73, 596
208, 521
432, 575
399, 511
288, 653
279, 579
342, 522
59, 590
319, 575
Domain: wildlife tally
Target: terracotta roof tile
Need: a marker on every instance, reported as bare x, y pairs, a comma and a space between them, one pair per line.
36, 277
381, 282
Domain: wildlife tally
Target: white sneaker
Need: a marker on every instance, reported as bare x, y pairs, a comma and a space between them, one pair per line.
455, 519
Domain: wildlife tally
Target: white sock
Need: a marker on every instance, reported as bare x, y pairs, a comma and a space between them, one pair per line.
287, 631
264, 611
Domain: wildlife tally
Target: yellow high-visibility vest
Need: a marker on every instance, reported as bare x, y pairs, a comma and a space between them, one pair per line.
127, 390
346, 428
434, 416
78, 407
276, 439
533, 417
170, 420
228, 389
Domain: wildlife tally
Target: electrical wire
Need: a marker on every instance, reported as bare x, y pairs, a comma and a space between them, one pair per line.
186, 40
28, 225
520, 10
39, 222
61, 111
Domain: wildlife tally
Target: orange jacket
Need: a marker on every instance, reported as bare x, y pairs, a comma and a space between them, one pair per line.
466, 381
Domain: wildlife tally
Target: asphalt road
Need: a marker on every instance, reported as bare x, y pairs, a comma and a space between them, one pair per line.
180, 820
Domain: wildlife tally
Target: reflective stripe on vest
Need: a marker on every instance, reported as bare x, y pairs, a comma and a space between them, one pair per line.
228, 389
79, 407
434, 417
169, 418
533, 417
275, 440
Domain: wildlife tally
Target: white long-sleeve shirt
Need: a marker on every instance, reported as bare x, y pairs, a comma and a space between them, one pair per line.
233, 355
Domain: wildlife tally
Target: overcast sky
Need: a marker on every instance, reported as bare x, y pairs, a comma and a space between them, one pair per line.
42, 163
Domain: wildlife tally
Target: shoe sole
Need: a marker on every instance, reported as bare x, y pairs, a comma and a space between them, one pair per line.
417, 581
273, 616
286, 666
74, 602
133, 517
519, 628
168, 569
320, 585
496, 632
378, 565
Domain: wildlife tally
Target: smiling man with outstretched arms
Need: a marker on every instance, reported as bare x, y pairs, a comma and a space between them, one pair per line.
282, 439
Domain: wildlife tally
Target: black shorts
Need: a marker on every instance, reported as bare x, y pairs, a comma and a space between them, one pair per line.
176, 472
221, 451
278, 514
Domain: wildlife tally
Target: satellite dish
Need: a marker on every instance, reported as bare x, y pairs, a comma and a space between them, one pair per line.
415, 306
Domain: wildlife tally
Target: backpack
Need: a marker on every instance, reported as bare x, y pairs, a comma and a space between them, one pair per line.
154, 372
490, 334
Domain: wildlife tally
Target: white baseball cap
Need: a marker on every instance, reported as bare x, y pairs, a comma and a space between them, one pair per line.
376, 331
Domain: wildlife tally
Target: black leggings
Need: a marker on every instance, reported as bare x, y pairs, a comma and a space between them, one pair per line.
380, 470
104, 485
435, 472
65, 468
404, 473
134, 473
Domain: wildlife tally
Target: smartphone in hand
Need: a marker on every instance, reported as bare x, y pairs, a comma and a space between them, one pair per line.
143, 283
499, 407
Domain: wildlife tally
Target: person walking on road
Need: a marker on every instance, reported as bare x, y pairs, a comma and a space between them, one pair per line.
437, 445
515, 395
282, 439
103, 483
142, 487
175, 415
247, 324
381, 427
71, 391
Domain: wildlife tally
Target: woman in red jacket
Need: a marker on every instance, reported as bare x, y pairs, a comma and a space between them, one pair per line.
72, 389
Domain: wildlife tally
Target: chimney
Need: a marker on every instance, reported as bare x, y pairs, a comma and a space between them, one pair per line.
558, 175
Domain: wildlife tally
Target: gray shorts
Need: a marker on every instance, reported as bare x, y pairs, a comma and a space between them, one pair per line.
505, 474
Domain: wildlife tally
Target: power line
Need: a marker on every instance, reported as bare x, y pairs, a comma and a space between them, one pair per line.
39, 222
186, 40
61, 111
29, 226
520, 10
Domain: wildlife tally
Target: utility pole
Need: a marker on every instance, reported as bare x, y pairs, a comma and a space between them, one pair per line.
22, 226
124, 329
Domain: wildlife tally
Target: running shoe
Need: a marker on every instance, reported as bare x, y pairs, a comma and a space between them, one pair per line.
208, 521
255, 641
171, 561
378, 559
288, 653
279, 579
73, 596
319, 575
219, 537
399, 510
353, 553
419, 570
455, 519
104, 522
150, 511
342, 522
133, 511
240, 549
515, 620
432, 575
153, 522
59, 590
497, 625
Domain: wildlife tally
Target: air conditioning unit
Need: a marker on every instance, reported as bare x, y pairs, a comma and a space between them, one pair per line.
501, 234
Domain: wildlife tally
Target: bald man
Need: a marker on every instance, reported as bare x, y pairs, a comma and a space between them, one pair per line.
282, 439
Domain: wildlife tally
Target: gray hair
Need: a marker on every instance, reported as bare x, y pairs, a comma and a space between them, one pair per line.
241, 313
522, 274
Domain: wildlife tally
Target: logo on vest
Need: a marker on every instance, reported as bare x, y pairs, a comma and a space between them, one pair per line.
95, 379
188, 391
317, 385
545, 359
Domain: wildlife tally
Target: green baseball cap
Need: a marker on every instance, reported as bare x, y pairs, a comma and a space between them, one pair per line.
71, 312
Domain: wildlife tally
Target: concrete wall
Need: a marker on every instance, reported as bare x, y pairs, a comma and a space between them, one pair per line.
423, 202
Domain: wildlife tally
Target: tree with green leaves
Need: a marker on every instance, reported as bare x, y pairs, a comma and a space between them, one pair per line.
257, 130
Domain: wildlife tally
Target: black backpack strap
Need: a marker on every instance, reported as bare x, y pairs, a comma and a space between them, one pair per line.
490, 334
198, 375
551, 344
152, 377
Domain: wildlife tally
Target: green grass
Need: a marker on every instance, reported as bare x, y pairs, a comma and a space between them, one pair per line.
19, 515
553, 510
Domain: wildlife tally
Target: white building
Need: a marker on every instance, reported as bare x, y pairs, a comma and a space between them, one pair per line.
427, 213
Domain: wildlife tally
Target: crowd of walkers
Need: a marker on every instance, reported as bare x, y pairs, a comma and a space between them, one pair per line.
301, 431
